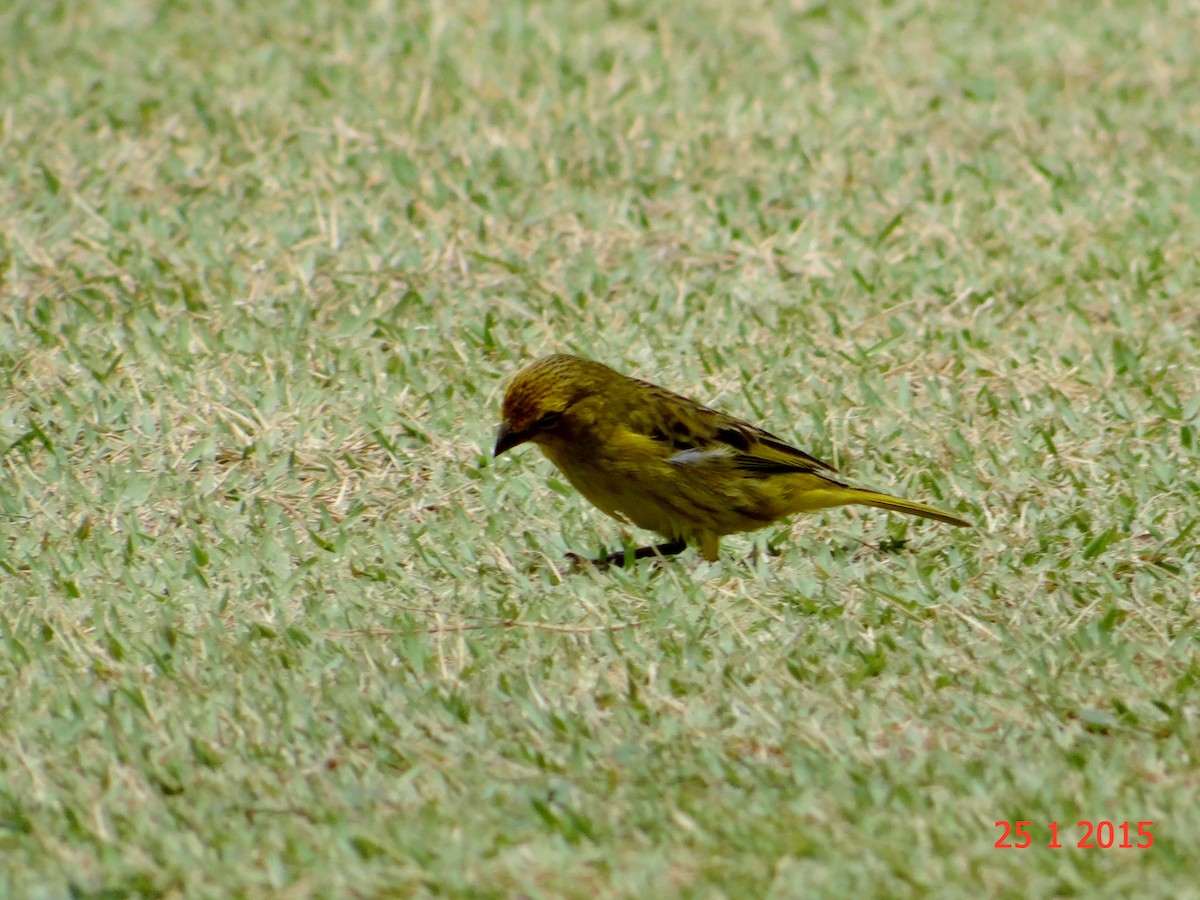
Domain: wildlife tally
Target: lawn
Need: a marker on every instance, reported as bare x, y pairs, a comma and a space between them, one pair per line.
274, 623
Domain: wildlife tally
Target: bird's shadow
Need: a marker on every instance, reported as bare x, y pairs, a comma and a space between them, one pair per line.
577, 563
853, 548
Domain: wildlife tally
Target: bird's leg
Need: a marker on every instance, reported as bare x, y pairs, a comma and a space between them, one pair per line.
670, 548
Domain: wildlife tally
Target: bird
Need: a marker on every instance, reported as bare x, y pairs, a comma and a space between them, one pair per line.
652, 458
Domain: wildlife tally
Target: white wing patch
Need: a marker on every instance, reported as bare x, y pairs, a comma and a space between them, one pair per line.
695, 457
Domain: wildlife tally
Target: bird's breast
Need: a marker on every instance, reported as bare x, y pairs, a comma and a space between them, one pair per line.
626, 487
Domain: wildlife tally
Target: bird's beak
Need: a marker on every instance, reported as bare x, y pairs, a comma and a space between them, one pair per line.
507, 438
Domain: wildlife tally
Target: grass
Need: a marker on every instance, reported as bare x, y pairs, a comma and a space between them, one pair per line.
274, 623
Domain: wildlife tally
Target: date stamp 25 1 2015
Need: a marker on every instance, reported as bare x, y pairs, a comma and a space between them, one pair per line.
1092, 835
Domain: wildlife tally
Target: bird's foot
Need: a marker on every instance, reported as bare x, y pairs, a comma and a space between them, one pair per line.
618, 558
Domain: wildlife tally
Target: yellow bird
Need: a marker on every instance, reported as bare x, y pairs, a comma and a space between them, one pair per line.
652, 458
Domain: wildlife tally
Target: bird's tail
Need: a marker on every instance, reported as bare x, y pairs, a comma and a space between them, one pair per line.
896, 504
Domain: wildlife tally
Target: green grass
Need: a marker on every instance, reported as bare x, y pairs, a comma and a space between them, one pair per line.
273, 623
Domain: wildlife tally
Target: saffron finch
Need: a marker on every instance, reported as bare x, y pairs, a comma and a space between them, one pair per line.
651, 458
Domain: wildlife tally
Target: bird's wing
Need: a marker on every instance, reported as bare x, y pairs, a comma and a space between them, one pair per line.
694, 435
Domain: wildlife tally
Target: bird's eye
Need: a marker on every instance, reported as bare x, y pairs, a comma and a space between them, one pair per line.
549, 420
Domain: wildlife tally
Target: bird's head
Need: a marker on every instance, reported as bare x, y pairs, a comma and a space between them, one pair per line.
541, 394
